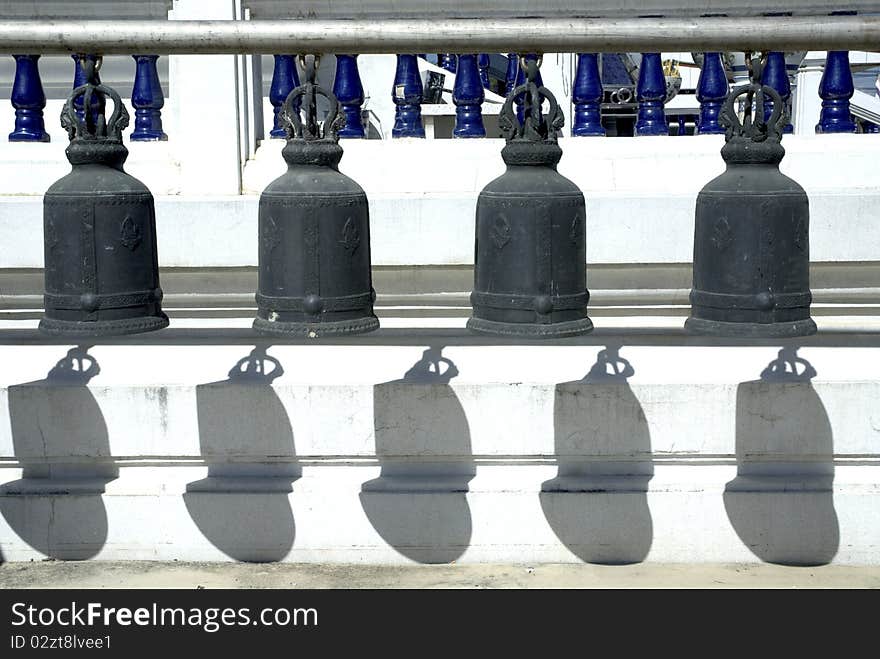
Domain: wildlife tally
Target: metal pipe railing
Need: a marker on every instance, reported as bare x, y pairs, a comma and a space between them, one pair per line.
453, 35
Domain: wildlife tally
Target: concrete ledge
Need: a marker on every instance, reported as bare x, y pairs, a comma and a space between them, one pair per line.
839, 289
640, 200
424, 229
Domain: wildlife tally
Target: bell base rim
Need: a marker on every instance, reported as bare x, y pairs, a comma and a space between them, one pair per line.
83, 328
805, 327
531, 330
316, 330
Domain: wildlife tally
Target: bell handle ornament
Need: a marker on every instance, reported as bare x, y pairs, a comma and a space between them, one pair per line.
757, 130
94, 126
523, 62
535, 127
308, 91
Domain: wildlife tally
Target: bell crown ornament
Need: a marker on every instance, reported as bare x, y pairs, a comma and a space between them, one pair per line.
753, 140
93, 137
532, 141
308, 141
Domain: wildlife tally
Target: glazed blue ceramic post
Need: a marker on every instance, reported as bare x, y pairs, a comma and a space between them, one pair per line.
835, 89
28, 99
350, 91
871, 127
586, 96
284, 80
483, 63
148, 100
712, 88
468, 95
447, 61
512, 73
407, 95
651, 93
79, 79
775, 75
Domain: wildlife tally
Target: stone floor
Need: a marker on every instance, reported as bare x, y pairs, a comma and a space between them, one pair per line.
98, 574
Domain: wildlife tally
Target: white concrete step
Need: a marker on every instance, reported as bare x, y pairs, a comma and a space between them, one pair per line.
640, 196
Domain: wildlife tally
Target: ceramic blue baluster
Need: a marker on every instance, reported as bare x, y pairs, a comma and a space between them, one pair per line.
350, 91
447, 61
512, 69
28, 99
148, 100
586, 96
284, 80
468, 95
712, 89
483, 63
836, 88
651, 94
407, 95
776, 76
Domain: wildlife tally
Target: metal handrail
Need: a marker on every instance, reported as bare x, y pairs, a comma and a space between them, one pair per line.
453, 35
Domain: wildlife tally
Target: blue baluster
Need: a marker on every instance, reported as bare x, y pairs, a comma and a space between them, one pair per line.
79, 78
512, 73
483, 63
407, 94
350, 91
28, 99
870, 127
775, 75
148, 100
682, 124
586, 96
468, 95
836, 88
651, 94
447, 61
712, 89
284, 80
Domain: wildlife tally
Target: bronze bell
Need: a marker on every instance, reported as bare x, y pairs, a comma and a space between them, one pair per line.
314, 228
530, 273
751, 239
99, 229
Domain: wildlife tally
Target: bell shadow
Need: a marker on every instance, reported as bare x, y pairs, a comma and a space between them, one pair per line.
598, 503
246, 439
781, 502
60, 438
418, 504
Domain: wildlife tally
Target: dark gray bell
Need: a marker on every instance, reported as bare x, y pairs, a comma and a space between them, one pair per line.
99, 229
751, 239
530, 276
314, 228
